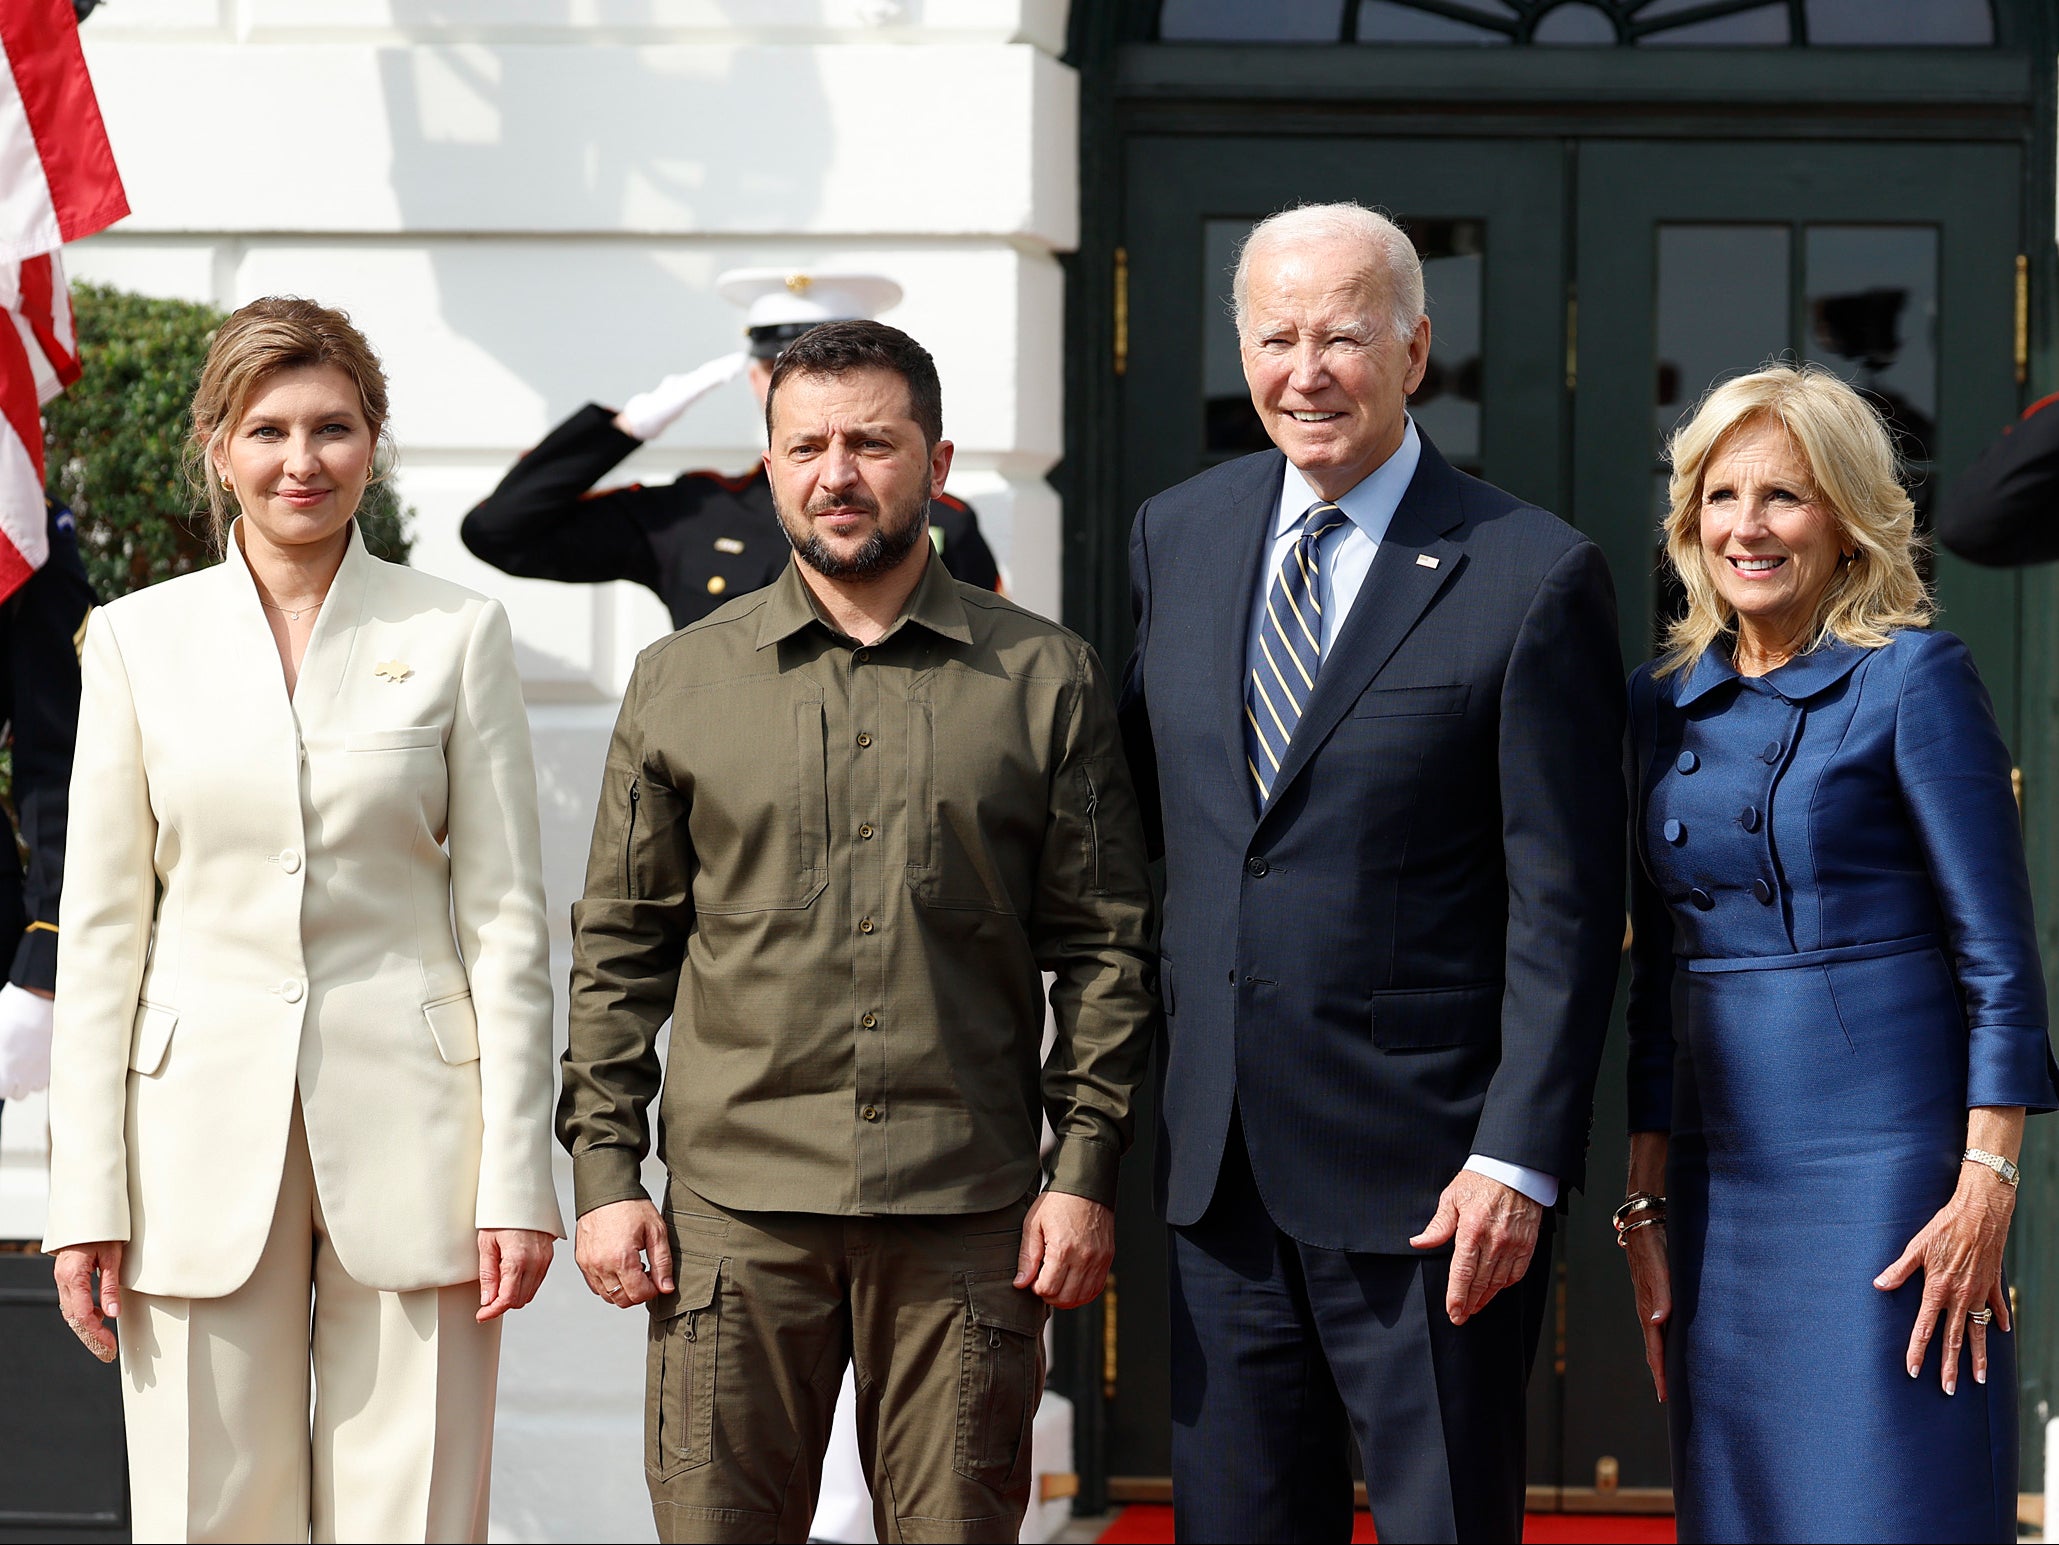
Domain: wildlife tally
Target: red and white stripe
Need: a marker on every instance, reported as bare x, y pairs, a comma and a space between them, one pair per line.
58, 181
39, 357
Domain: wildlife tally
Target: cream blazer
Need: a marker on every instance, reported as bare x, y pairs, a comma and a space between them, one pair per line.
338, 893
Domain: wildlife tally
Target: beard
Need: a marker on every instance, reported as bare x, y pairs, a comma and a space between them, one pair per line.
892, 539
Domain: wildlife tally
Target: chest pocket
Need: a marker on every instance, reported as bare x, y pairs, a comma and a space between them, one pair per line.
959, 825
769, 850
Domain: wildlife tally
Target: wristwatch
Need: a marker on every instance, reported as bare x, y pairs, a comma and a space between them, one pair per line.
2002, 1167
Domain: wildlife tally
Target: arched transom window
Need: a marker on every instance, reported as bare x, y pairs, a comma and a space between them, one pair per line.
1602, 23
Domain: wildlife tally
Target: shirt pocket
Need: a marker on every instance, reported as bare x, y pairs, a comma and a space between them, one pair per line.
951, 858
761, 833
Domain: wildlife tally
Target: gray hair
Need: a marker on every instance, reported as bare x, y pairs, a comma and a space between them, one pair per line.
1390, 255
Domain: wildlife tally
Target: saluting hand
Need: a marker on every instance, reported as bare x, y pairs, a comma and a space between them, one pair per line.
1495, 1227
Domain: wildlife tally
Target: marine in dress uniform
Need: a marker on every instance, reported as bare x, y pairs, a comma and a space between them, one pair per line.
707, 536
41, 625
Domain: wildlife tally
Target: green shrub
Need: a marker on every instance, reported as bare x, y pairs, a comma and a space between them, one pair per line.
115, 441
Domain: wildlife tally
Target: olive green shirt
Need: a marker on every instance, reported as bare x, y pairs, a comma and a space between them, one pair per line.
841, 872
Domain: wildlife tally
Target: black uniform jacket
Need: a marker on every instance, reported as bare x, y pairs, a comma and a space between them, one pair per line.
697, 541
2004, 509
41, 627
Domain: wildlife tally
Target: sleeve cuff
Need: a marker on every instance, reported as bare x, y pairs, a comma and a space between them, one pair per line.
1541, 1188
2011, 1065
603, 1175
1084, 1167
35, 960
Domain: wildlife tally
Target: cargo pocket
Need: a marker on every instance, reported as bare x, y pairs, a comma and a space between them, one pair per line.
1000, 1378
679, 1381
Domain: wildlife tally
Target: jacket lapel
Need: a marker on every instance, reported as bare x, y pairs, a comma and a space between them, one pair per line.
1398, 589
1247, 530
329, 646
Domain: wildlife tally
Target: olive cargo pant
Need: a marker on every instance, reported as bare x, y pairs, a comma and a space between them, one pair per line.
747, 1356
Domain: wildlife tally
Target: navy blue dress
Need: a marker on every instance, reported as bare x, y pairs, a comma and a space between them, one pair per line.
1834, 957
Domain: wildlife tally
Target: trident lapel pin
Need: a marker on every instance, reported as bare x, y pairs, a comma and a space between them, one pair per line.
394, 670
1425, 561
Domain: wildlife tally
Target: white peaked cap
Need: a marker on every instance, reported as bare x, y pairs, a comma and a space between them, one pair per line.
779, 297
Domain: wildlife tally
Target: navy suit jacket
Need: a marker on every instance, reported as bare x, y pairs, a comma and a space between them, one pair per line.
1410, 957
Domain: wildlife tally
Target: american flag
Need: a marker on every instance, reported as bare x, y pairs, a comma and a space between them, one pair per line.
57, 183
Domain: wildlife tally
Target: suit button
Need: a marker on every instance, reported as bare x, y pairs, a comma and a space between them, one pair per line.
291, 989
865, 925
1763, 891
1675, 833
289, 861
717, 584
1771, 754
1702, 899
870, 1113
1748, 818
865, 830
1687, 762
1256, 868
870, 1021
864, 740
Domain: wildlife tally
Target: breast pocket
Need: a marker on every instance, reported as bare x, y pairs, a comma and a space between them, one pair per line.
1410, 702
412, 737
969, 824
761, 819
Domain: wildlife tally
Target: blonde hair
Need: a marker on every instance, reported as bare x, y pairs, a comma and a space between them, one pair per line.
279, 332
1852, 463
1390, 256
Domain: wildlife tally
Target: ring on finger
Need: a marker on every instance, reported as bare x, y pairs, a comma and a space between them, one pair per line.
1980, 1316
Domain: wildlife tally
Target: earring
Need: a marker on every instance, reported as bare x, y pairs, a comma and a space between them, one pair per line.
231, 487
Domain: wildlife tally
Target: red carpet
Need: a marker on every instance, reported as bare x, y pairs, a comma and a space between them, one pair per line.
1144, 1525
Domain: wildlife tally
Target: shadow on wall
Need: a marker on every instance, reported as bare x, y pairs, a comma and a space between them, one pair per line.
628, 182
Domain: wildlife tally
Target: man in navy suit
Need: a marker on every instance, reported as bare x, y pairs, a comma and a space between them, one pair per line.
1376, 709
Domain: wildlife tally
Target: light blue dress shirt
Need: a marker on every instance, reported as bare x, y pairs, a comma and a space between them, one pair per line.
1346, 557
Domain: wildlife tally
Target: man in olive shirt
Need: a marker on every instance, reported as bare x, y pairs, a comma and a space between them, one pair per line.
848, 821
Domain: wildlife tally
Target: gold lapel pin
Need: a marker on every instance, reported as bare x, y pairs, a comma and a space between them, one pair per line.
1425, 561
394, 670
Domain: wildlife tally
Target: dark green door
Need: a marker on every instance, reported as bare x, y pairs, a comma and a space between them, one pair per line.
1689, 260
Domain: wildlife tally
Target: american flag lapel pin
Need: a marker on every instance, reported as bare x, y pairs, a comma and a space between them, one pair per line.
1425, 561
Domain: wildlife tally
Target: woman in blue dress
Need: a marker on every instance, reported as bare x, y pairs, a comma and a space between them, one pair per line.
1837, 1014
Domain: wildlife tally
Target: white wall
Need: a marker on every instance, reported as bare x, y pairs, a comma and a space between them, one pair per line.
524, 204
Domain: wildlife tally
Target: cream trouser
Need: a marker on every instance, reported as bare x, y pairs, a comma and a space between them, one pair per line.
222, 1445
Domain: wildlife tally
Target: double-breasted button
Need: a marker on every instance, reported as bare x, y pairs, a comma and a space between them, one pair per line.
1771, 754
1762, 891
870, 1113
865, 925
865, 830
870, 1021
1748, 818
1687, 761
289, 861
864, 739
1256, 868
1675, 833
1702, 899
291, 989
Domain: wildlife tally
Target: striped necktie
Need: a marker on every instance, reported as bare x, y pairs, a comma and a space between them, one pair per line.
1290, 651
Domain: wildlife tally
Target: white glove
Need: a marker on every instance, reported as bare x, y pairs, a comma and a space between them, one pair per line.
648, 414
25, 1021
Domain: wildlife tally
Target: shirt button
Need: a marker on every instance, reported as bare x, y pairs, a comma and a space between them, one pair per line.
1675, 833
1748, 818
865, 925
1763, 891
870, 1113
289, 861
870, 1021
1771, 754
1687, 761
291, 989
1702, 899
860, 656
865, 830
1256, 868
864, 739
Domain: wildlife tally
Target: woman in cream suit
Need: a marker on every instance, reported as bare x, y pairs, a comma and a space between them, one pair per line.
300, 1098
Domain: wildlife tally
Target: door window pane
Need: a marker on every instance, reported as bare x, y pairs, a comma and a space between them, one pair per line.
1761, 26
1446, 406
1900, 23
1230, 21
1722, 309
1576, 24
1384, 21
1871, 293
